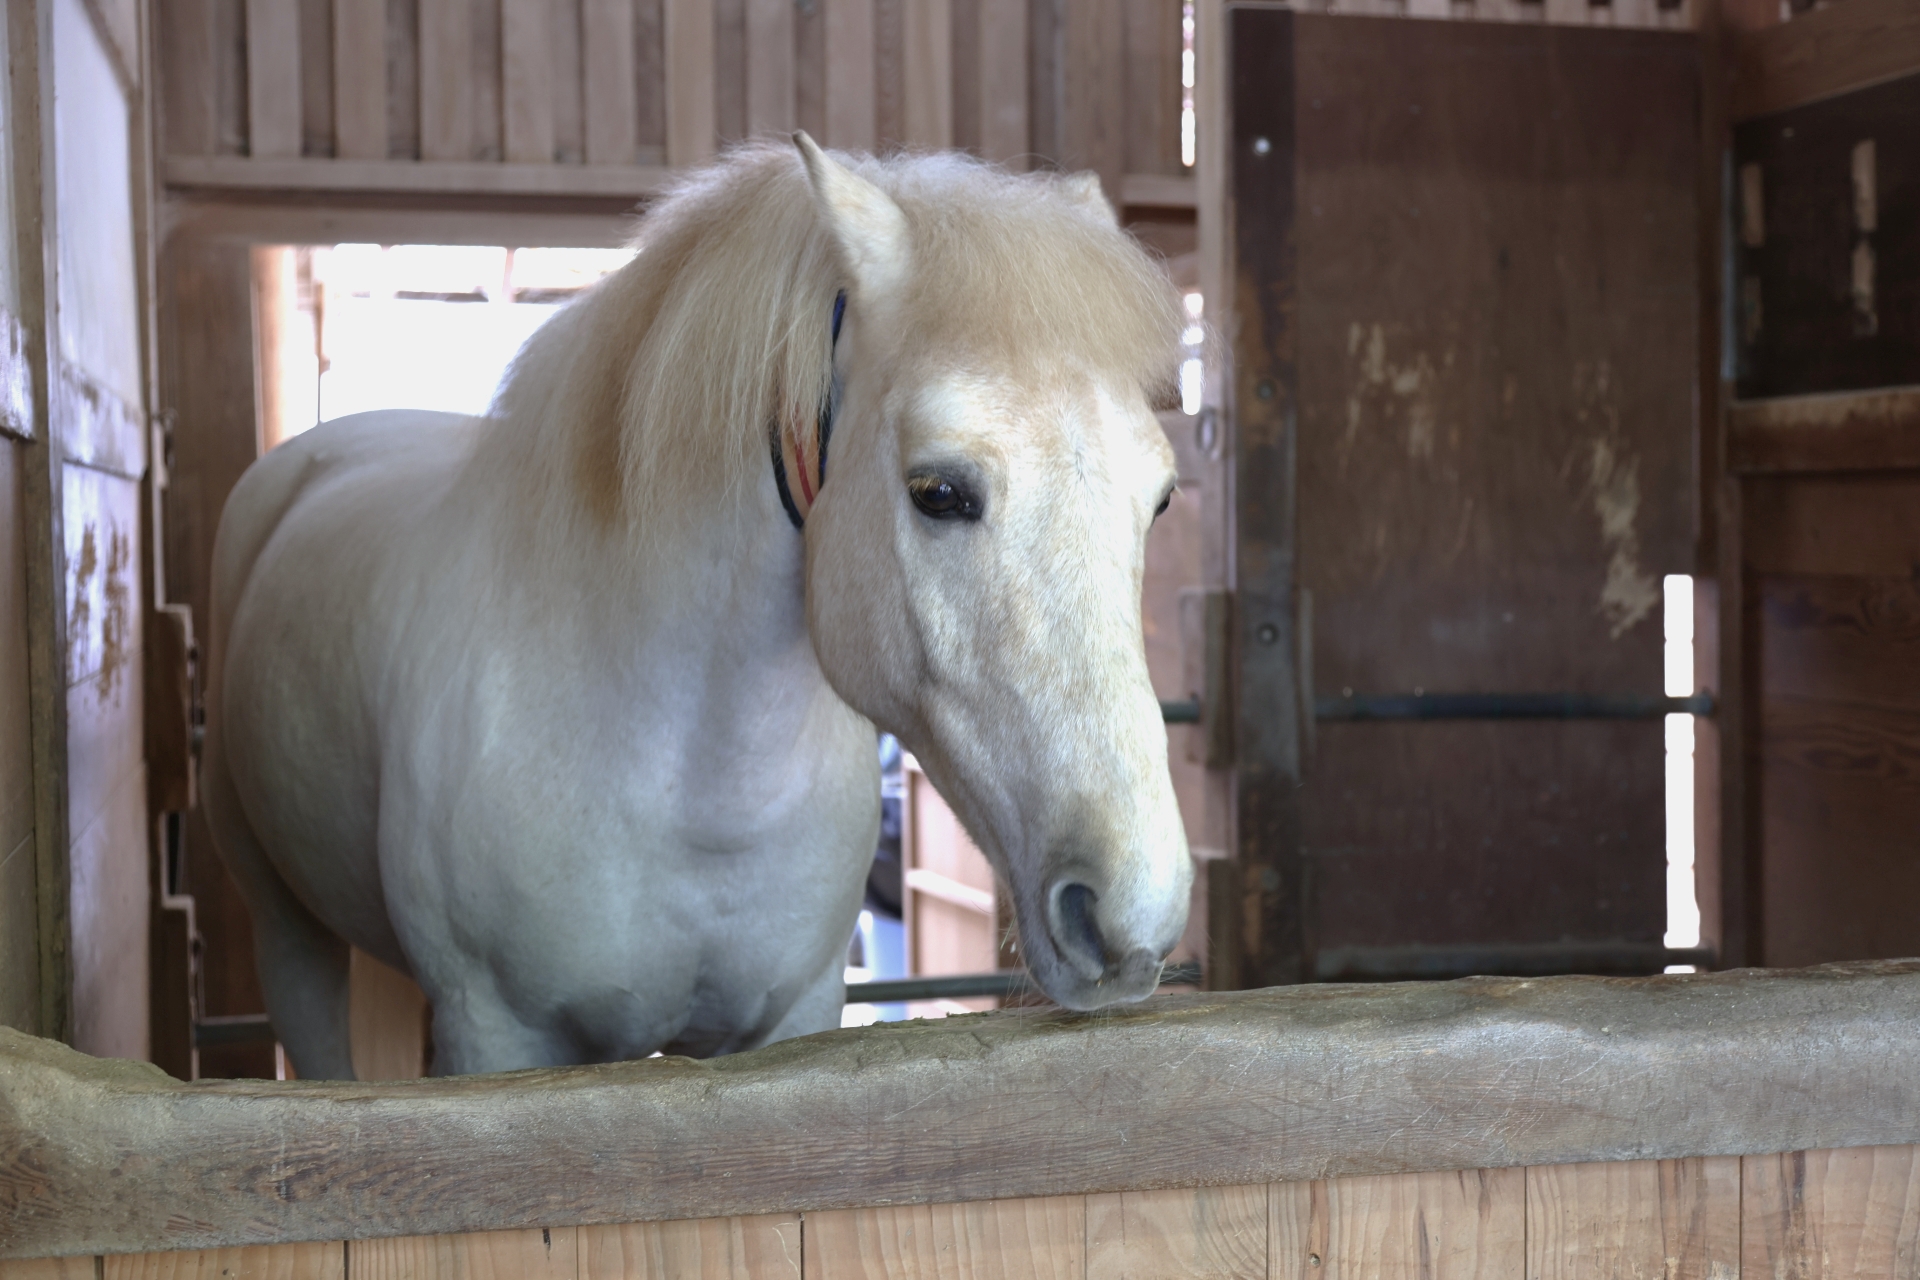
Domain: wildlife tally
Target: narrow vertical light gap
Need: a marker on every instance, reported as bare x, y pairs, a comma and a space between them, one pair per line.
1683, 905
1189, 132
1192, 383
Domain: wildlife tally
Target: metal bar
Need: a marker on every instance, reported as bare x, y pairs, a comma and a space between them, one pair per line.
1186, 711
238, 1028
1423, 963
966, 986
1509, 706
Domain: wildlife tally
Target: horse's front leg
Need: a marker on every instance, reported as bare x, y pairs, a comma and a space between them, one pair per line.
475, 1030
818, 1008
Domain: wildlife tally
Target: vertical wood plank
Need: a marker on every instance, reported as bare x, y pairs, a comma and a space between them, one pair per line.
403, 79
688, 71
1153, 86
650, 77
765, 1247
729, 70
1815, 1214
1206, 1232
188, 97
537, 1254
527, 80
1093, 128
849, 76
1679, 1219
360, 79
320, 1261
1004, 137
770, 67
927, 73
446, 94
1036, 1239
273, 78
316, 77
1469, 1224
607, 55
48, 1269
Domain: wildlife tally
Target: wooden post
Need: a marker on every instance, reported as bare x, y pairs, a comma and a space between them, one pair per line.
1263, 888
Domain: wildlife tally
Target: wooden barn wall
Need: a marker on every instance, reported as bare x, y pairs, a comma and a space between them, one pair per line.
605, 85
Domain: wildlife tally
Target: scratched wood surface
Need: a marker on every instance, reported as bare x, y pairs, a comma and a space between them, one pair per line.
1852, 1212
1278, 1085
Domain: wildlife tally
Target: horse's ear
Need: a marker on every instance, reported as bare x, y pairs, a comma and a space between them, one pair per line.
866, 224
1085, 190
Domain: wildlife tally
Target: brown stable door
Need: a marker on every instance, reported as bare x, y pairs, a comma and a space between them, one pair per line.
1464, 287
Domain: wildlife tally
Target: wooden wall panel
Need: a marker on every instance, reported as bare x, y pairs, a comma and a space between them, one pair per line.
1002, 76
926, 64
538, 1254
322, 1261
771, 103
19, 892
1183, 1234
1819, 1214
1678, 1219
1451, 1226
608, 47
273, 78
1094, 93
1040, 1239
688, 71
762, 1247
447, 105
360, 79
850, 93
529, 70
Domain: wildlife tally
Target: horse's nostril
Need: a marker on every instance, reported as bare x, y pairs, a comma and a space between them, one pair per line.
1076, 932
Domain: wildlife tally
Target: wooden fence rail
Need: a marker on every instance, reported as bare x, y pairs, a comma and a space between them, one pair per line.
1294, 1085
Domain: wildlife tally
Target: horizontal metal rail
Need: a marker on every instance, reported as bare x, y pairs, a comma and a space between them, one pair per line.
1523, 960
1482, 706
1509, 706
965, 986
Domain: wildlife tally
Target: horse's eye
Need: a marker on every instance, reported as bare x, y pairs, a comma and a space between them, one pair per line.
942, 498
1164, 504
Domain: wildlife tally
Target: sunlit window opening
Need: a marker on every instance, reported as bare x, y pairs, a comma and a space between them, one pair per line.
424, 326
1189, 132
1683, 905
1191, 383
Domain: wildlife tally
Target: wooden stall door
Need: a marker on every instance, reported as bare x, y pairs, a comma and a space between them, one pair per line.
1464, 285
1824, 441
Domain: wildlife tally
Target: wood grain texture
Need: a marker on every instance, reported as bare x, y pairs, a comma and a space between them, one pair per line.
926, 68
100, 1155
1450, 1226
1002, 76
273, 78
1848, 431
1678, 1219
764, 1247
1203, 1233
1830, 51
609, 84
1038, 1239
446, 80
48, 1269
1094, 94
688, 69
527, 80
325, 1260
770, 67
1818, 1214
535, 1254
360, 79
849, 87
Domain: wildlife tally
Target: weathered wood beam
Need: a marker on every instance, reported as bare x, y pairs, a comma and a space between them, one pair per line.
1280, 1085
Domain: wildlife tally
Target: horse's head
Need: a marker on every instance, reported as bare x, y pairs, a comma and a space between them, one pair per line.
974, 567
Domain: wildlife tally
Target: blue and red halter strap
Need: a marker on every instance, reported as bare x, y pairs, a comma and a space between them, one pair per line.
798, 476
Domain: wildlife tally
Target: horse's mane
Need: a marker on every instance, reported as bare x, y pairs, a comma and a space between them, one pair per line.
656, 389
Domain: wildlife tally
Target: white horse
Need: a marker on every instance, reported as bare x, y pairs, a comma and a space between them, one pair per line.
569, 711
